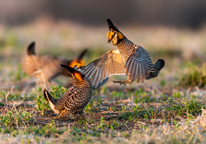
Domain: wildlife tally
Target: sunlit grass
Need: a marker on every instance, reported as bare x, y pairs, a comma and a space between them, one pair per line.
194, 75
152, 112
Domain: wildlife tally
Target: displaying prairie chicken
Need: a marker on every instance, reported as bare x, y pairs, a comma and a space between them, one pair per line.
75, 98
129, 59
47, 67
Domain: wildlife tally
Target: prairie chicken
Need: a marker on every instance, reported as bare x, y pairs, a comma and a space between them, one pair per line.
75, 98
47, 67
129, 59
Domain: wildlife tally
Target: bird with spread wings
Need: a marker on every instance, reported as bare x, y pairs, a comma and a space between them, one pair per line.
129, 59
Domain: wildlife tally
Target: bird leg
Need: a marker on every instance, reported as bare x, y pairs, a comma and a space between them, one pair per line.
122, 82
62, 113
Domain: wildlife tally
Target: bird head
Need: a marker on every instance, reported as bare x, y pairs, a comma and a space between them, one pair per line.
74, 72
78, 60
114, 35
75, 62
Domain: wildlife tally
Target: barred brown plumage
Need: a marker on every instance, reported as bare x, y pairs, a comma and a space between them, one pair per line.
74, 100
129, 59
46, 67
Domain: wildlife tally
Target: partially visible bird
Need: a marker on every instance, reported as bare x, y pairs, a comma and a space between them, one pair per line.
74, 100
47, 67
129, 59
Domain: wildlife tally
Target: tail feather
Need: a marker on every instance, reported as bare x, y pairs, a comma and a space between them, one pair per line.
49, 97
159, 64
81, 55
31, 49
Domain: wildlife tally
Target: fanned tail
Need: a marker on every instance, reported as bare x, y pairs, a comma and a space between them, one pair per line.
49, 97
157, 66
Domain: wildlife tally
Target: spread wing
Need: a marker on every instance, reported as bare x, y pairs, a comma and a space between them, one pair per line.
44, 67
107, 65
49, 71
139, 65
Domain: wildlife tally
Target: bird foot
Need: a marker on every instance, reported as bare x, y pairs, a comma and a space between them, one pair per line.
121, 82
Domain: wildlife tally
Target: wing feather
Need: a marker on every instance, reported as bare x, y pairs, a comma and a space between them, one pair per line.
44, 67
96, 74
138, 72
107, 65
134, 70
143, 63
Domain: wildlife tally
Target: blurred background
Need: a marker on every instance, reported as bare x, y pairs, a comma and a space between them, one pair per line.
174, 30
175, 13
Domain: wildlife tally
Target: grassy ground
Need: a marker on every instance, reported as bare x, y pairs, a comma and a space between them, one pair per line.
167, 109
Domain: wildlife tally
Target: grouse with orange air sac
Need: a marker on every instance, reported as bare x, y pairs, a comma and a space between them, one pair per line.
129, 59
47, 67
74, 100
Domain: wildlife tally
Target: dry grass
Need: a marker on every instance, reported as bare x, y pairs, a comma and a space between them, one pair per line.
156, 111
